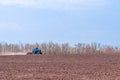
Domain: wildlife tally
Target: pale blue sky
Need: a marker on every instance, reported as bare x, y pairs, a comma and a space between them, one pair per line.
72, 21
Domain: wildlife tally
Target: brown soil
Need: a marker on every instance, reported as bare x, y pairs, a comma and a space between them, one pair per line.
60, 67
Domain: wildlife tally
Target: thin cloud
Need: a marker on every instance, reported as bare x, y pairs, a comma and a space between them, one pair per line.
7, 26
54, 4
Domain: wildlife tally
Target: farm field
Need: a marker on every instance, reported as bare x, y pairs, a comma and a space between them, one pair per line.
60, 67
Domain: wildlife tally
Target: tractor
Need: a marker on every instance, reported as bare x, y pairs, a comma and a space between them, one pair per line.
35, 51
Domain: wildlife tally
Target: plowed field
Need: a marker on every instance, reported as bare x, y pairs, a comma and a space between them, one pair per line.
60, 67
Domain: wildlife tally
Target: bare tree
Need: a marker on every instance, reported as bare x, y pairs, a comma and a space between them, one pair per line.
55, 48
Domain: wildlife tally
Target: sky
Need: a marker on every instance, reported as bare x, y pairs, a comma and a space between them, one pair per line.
60, 21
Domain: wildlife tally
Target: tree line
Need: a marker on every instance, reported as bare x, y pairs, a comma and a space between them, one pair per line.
55, 48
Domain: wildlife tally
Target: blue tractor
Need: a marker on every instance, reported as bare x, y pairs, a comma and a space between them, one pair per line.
36, 51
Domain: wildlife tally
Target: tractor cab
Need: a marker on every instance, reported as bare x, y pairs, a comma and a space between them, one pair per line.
36, 51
